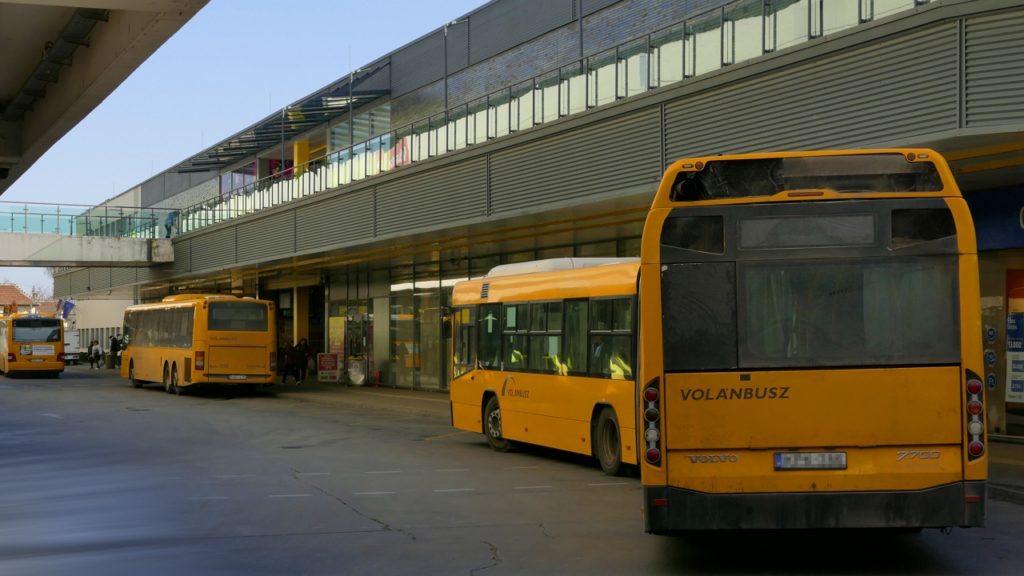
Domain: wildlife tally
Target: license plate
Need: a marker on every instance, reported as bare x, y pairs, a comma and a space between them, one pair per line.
237, 377
36, 360
810, 460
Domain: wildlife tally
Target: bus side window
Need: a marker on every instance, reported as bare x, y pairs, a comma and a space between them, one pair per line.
488, 331
575, 336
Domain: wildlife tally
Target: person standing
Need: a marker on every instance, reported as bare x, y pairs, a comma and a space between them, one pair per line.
302, 360
289, 363
115, 349
172, 217
95, 355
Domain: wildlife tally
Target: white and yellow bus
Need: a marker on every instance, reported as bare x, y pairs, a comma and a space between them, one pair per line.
191, 339
30, 343
545, 354
811, 347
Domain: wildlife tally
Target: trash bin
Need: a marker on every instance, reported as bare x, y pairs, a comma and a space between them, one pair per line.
108, 360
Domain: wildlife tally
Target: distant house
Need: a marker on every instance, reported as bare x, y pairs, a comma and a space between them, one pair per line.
12, 299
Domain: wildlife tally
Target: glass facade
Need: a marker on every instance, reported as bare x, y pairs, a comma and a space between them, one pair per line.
367, 144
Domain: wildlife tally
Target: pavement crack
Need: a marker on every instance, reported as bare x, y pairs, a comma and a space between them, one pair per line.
543, 530
384, 526
495, 559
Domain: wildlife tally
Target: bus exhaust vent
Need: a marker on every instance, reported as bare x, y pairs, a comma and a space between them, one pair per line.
484, 289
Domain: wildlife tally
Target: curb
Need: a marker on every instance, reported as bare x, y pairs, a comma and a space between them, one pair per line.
1004, 439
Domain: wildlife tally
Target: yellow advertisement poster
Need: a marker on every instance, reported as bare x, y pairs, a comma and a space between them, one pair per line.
336, 335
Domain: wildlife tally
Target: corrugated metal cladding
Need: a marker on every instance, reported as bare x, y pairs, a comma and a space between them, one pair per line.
417, 64
182, 257
99, 278
444, 195
80, 281
865, 96
123, 276
337, 220
501, 25
267, 238
62, 286
613, 155
218, 249
994, 77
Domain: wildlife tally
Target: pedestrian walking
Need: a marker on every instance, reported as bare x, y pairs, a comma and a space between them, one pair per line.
289, 363
301, 359
95, 355
169, 222
115, 351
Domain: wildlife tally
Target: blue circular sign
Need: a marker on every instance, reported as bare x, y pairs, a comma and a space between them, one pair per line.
990, 381
990, 357
991, 334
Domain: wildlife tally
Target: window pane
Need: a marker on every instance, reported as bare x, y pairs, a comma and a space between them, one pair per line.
699, 312
697, 233
667, 50
576, 336
600, 315
545, 354
514, 351
746, 19
489, 330
554, 311
706, 41
622, 314
538, 317
243, 316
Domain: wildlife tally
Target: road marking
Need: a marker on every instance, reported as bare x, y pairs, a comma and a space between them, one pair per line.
530, 487
383, 472
521, 467
449, 490
289, 496
452, 470
52, 416
206, 498
231, 476
314, 473
608, 484
371, 493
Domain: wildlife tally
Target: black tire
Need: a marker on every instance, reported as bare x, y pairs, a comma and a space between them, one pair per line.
492, 426
175, 389
167, 378
607, 443
136, 383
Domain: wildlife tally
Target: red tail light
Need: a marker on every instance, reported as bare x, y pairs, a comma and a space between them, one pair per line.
200, 361
975, 417
11, 357
652, 427
60, 357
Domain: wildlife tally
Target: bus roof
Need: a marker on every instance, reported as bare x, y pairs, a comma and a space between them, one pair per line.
184, 297
806, 175
612, 279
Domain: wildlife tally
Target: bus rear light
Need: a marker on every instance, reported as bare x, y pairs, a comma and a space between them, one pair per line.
651, 415
974, 499
60, 357
200, 361
974, 407
651, 394
974, 386
653, 455
976, 449
660, 502
974, 428
975, 416
652, 423
11, 357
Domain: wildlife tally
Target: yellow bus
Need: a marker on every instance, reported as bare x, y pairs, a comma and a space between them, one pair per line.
30, 343
544, 354
811, 352
191, 339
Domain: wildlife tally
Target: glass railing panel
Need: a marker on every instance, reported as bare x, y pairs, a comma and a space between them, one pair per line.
634, 68
705, 33
421, 141
546, 97
667, 55
789, 23
745, 30
601, 79
883, 8
522, 105
402, 155
839, 15
497, 116
573, 96
439, 134
476, 132
457, 128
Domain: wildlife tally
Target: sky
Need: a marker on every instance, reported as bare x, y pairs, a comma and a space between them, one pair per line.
232, 64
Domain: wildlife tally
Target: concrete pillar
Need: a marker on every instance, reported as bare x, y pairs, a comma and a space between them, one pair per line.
300, 313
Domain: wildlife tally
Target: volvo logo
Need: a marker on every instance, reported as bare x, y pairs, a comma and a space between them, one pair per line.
713, 458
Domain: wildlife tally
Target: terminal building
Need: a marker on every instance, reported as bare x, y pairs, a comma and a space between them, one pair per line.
528, 130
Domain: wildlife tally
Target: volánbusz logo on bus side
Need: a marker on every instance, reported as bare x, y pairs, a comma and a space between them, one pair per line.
745, 393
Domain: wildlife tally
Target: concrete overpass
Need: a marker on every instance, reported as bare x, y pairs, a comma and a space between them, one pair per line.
55, 250
61, 58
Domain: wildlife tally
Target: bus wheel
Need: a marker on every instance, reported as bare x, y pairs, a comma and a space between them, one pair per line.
136, 383
492, 426
175, 389
167, 378
607, 443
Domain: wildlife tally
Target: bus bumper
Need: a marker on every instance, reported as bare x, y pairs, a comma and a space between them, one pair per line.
46, 366
676, 509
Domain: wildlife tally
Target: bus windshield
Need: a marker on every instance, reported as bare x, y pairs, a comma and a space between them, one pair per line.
36, 330
238, 316
765, 177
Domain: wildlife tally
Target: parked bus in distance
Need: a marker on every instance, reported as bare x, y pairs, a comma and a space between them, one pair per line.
544, 354
30, 343
191, 339
811, 352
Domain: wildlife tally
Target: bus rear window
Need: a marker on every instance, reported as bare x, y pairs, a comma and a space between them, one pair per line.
238, 316
36, 330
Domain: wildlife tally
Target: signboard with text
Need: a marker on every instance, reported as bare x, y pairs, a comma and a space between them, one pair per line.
328, 367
